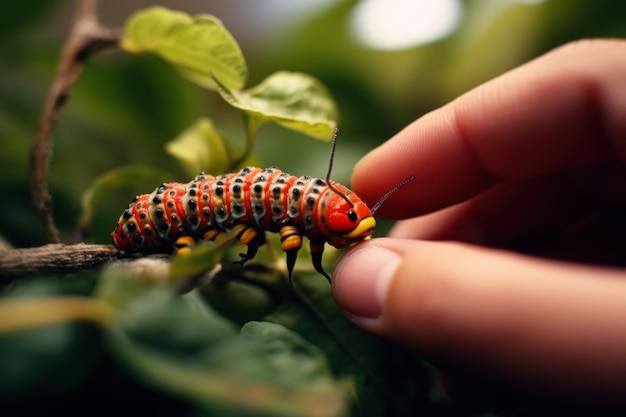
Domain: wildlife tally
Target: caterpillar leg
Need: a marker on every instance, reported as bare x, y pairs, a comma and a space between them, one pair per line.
316, 256
248, 235
252, 238
184, 244
211, 234
290, 242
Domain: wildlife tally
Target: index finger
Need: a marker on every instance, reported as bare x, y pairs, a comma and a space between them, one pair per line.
564, 110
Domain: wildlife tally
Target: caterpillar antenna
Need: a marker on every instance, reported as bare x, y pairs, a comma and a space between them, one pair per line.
390, 193
330, 169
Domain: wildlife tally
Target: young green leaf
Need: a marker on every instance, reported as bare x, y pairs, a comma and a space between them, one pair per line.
201, 259
199, 47
291, 99
200, 148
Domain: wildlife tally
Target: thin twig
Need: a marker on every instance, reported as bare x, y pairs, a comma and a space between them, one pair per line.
86, 37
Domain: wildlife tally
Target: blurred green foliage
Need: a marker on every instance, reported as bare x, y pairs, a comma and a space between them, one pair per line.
161, 350
143, 340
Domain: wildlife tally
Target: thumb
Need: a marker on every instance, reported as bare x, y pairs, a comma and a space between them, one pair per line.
536, 322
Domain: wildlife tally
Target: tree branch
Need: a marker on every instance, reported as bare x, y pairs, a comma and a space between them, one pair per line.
53, 258
86, 38
57, 258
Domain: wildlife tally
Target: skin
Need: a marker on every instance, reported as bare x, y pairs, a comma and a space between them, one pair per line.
510, 261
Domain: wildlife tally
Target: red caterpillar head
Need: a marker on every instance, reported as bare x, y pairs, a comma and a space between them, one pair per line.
344, 218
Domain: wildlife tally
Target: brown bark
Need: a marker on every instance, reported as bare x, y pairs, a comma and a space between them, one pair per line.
86, 38
53, 258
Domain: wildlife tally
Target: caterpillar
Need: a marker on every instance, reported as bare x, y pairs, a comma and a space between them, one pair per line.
256, 200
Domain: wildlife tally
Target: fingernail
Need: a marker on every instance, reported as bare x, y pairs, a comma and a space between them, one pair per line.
361, 279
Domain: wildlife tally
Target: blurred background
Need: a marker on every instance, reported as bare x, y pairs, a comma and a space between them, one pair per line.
386, 62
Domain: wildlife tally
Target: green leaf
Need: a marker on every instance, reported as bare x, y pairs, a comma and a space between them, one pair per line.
296, 361
199, 47
240, 301
110, 183
200, 148
193, 354
203, 257
291, 99
75, 284
384, 378
165, 321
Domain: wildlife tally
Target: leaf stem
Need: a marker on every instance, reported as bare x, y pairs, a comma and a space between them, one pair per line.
252, 126
27, 313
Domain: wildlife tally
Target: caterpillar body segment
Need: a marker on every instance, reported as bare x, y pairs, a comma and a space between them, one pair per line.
175, 215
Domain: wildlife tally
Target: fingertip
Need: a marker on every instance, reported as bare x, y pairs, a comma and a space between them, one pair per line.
361, 279
560, 112
430, 151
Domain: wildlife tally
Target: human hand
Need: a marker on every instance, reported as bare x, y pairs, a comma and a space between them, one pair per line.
514, 267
